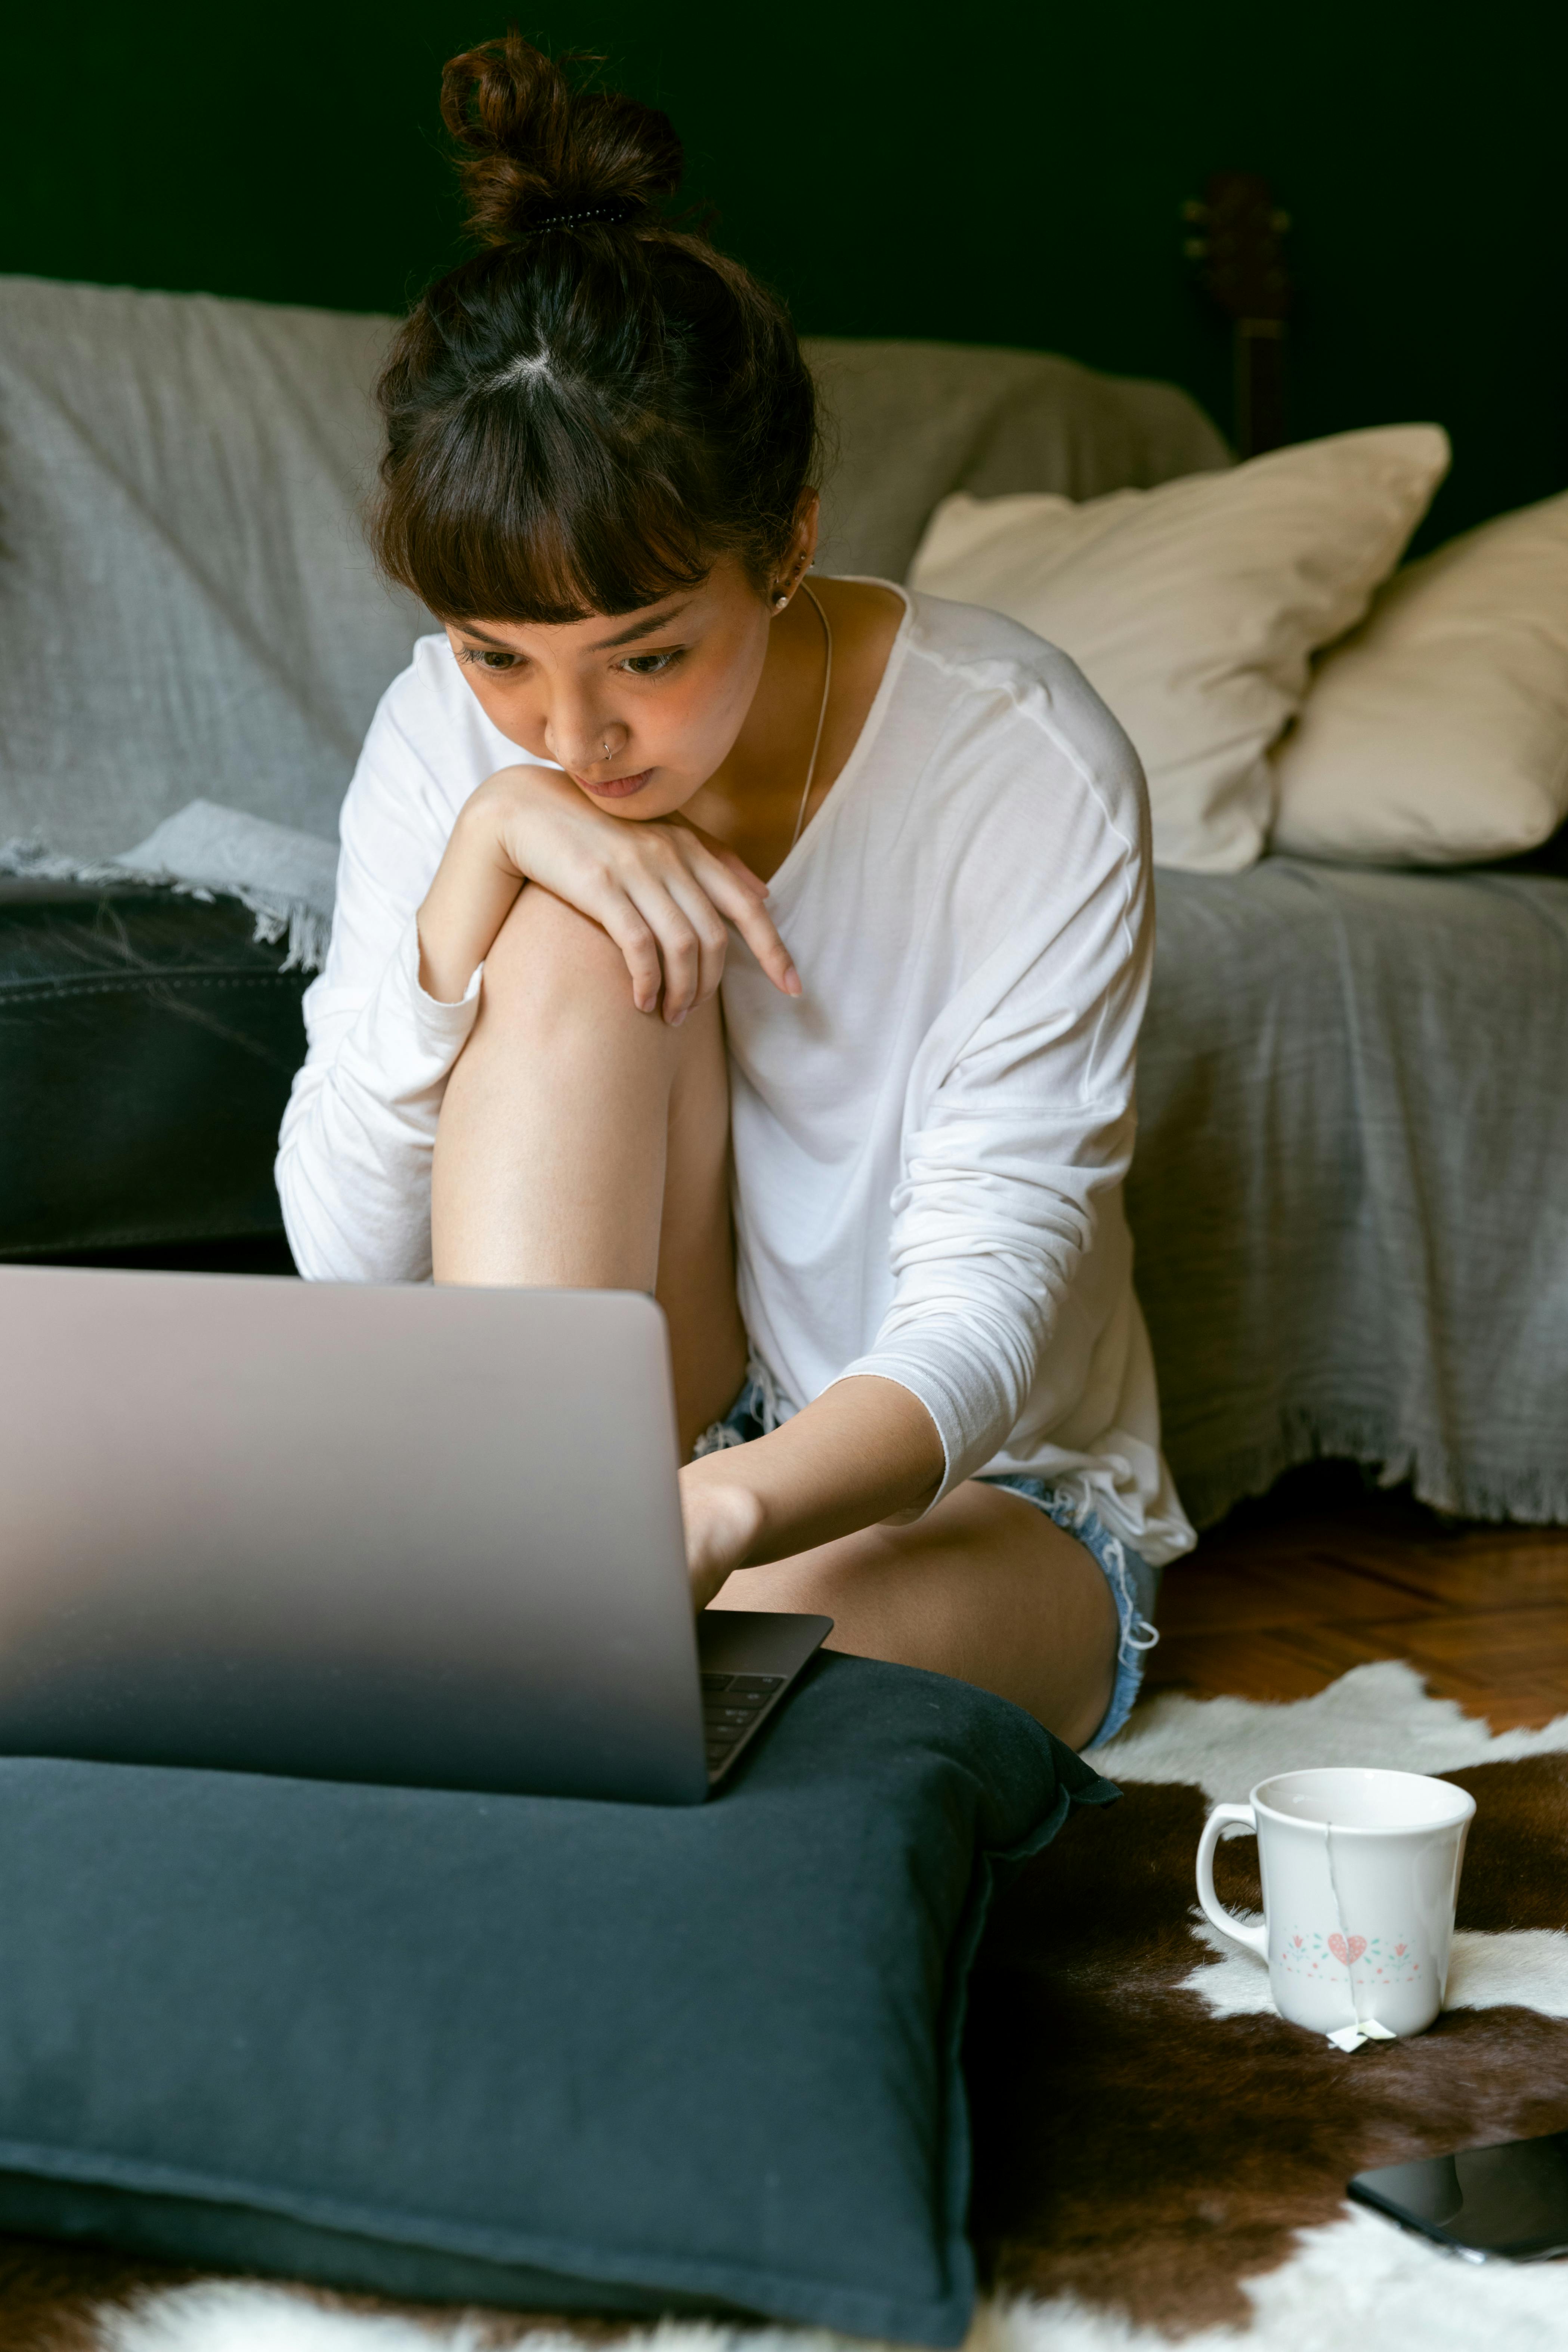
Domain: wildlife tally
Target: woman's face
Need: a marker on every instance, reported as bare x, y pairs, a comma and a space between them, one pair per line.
639, 709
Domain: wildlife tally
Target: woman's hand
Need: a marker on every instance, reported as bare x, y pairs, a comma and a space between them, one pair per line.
865, 1449
663, 890
722, 1523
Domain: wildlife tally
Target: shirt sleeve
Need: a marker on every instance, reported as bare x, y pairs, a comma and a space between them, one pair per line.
353, 1159
1020, 1117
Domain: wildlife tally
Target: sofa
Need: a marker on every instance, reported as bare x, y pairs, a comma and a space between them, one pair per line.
1351, 1195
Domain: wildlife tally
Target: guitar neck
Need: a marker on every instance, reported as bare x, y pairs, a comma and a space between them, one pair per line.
1258, 347
1239, 242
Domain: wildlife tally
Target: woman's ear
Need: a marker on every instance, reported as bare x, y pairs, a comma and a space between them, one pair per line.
801, 552
807, 520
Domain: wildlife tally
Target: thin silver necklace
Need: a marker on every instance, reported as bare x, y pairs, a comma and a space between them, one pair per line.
821, 717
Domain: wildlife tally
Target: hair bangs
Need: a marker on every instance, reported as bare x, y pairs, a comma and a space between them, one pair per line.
505, 520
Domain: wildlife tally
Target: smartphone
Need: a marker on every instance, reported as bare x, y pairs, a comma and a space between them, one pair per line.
1509, 2201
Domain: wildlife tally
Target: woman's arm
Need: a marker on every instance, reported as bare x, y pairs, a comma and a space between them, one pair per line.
353, 1159
866, 1450
662, 890
1027, 1120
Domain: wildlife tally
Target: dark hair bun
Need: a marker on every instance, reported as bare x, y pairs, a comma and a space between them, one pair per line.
533, 146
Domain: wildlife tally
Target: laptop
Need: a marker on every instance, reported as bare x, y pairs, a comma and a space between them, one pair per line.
430, 1537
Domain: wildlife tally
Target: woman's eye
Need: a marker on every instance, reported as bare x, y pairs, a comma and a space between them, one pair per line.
652, 664
498, 661
489, 657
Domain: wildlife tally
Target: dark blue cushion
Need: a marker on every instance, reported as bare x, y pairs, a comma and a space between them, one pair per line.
527, 2050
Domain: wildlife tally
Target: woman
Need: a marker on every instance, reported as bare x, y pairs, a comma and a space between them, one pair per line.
647, 756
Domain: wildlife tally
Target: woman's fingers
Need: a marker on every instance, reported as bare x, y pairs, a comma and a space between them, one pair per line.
675, 957
679, 944
665, 896
639, 946
756, 928
712, 936
685, 900
755, 925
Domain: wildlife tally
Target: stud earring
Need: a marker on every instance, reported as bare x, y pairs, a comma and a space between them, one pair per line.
781, 600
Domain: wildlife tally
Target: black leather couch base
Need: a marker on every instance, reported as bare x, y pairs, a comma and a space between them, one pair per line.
147, 1043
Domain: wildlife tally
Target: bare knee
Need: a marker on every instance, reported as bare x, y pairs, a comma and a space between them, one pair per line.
553, 972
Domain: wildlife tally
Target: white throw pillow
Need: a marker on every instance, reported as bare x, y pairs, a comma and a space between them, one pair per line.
1438, 733
1195, 609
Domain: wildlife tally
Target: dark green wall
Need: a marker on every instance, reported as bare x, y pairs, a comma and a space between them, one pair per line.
1008, 175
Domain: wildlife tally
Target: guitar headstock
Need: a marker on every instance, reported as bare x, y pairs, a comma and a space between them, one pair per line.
1237, 233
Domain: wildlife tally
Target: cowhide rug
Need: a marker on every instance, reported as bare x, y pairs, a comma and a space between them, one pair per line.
1157, 2155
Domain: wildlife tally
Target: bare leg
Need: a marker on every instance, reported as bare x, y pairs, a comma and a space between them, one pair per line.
583, 1145
984, 1587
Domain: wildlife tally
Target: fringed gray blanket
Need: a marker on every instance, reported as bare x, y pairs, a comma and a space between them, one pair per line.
285, 878
1350, 1190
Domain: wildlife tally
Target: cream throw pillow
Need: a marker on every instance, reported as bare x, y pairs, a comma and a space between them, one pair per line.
1195, 609
1438, 733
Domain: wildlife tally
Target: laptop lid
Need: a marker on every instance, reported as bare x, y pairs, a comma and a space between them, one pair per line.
413, 1535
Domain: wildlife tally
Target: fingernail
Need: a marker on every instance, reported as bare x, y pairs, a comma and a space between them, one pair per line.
676, 1019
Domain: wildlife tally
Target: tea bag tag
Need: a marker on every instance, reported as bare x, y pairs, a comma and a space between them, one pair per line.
1349, 1948
1366, 2029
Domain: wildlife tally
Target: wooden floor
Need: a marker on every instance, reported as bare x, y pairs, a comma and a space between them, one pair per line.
1322, 1575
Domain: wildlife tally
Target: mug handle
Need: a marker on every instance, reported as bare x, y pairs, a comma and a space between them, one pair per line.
1254, 1938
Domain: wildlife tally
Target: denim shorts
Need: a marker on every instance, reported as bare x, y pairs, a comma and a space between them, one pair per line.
1134, 1585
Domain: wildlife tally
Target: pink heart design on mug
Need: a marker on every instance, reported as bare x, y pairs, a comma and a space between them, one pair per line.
1346, 1948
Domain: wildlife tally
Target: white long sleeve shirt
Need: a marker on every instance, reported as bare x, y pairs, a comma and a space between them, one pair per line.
929, 1145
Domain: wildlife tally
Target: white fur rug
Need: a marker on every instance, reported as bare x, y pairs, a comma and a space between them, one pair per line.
1356, 2282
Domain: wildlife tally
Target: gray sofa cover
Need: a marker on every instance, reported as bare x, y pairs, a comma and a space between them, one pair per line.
1350, 1197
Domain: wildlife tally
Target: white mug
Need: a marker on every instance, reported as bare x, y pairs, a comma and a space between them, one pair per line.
1361, 1871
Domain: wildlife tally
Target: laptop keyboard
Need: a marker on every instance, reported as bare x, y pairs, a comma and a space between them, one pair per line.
731, 1704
